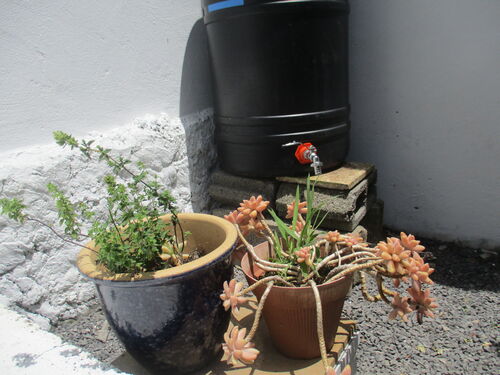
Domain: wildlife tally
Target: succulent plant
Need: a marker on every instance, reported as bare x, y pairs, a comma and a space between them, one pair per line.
400, 308
131, 236
291, 207
237, 348
304, 256
230, 296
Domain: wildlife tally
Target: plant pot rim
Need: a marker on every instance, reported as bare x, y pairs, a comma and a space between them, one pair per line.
87, 259
320, 286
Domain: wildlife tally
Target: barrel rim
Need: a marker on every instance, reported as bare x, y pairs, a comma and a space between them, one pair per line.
250, 7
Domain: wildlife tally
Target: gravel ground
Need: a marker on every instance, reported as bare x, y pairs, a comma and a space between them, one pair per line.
463, 339
92, 333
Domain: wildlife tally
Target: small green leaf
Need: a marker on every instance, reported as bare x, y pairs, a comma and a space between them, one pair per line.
13, 209
282, 227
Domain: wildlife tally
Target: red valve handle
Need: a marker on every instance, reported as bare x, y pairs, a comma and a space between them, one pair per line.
302, 153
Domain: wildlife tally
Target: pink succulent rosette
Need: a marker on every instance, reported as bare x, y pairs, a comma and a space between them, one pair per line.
351, 239
237, 348
410, 243
304, 255
230, 295
291, 207
422, 303
418, 270
333, 236
393, 253
253, 206
400, 308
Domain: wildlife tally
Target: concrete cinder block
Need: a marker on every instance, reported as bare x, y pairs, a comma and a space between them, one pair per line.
374, 221
228, 190
344, 209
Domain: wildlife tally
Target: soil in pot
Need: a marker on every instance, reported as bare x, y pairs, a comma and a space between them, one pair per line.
290, 313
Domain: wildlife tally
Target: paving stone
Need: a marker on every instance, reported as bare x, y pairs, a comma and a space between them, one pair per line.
229, 190
343, 178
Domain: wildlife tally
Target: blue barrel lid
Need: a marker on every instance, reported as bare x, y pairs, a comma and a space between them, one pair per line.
210, 6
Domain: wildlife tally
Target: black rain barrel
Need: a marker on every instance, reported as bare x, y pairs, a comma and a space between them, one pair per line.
280, 78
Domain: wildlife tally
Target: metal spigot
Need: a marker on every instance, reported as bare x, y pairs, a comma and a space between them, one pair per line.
306, 153
316, 163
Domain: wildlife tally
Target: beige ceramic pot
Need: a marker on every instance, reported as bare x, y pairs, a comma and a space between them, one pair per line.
290, 313
171, 321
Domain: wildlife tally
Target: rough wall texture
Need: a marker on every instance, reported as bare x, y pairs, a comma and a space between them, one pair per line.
36, 270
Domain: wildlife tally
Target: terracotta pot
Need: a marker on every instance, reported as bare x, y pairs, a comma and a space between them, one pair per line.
171, 321
290, 313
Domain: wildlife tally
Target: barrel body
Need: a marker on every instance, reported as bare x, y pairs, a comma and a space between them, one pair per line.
280, 78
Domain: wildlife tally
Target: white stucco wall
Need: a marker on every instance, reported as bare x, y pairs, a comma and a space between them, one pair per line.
37, 269
94, 66
425, 94
79, 66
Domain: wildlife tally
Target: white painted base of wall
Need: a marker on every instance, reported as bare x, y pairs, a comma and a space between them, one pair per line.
37, 271
27, 349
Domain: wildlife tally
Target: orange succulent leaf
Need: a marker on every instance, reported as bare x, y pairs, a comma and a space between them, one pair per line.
299, 226
253, 206
334, 236
418, 270
235, 217
330, 371
351, 239
304, 255
397, 281
291, 207
410, 243
400, 308
421, 302
236, 348
394, 255
230, 296
252, 225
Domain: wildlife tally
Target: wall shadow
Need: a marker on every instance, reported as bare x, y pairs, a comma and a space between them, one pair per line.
465, 268
196, 80
196, 114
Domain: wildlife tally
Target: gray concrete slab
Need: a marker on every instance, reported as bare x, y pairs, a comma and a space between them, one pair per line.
229, 190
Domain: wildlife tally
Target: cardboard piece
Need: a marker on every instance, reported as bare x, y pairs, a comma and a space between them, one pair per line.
343, 178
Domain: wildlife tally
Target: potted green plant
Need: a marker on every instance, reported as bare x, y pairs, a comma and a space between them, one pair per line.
301, 277
158, 272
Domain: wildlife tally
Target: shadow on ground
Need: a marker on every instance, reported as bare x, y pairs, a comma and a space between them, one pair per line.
460, 266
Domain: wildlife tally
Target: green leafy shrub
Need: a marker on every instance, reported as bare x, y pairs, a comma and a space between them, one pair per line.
130, 236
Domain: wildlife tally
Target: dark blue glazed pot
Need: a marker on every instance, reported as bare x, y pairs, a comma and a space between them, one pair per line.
171, 321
